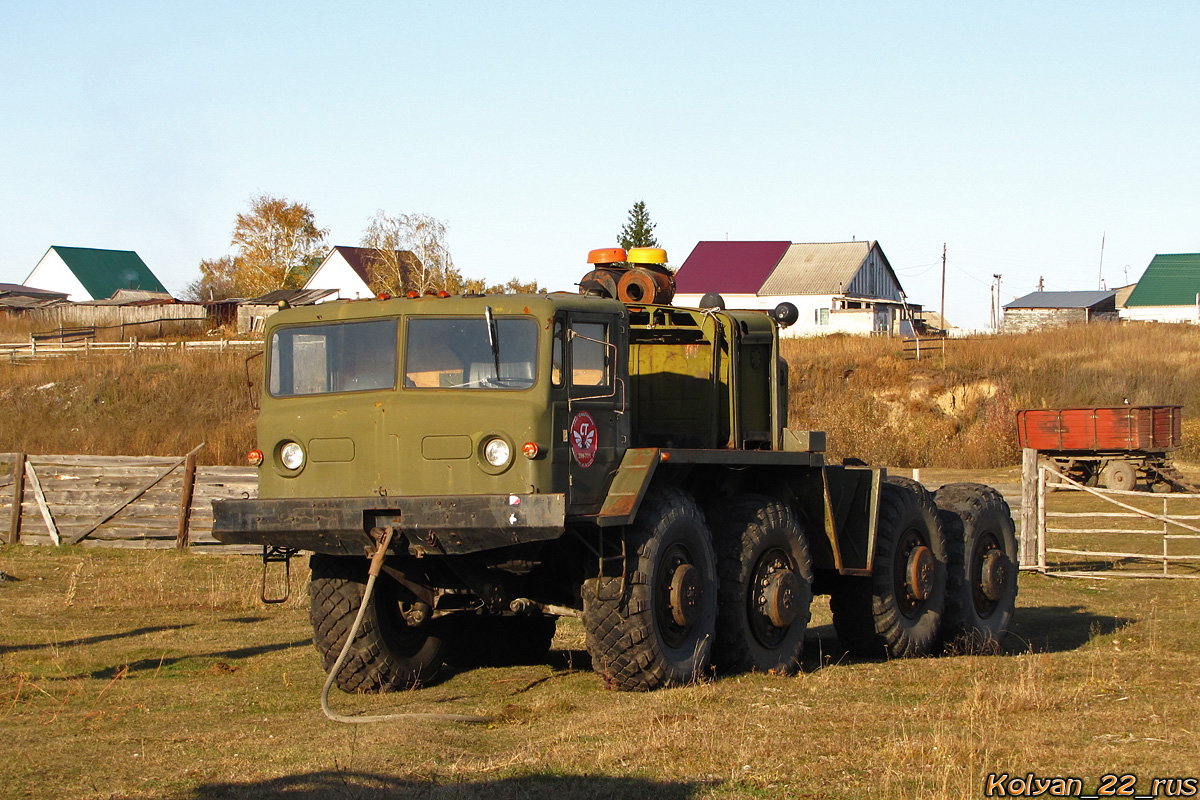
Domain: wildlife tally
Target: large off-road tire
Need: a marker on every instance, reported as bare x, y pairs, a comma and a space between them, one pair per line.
897, 611
908, 483
388, 652
657, 629
981, 589
765, 574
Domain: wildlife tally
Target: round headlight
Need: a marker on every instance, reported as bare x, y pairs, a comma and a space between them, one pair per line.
291, 455
497, 452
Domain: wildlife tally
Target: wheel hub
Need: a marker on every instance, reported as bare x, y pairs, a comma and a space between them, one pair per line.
992, 576
921, 566
779, 596
685, 594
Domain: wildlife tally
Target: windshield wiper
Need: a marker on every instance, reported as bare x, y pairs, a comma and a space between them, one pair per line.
493, 338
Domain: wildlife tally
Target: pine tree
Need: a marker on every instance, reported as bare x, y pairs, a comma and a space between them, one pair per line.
638, 230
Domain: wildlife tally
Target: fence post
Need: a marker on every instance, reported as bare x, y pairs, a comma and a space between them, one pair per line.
1029, 506
18, 479
185, 501
1041, 523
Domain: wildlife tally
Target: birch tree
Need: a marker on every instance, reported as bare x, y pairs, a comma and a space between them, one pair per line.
410, 254
276, 242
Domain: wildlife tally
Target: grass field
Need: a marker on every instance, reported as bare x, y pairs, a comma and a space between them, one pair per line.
127, 674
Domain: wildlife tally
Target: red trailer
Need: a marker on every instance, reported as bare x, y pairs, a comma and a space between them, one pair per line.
1122, 447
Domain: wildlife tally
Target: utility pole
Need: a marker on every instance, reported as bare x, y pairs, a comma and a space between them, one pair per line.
1100, 282
1040, 283
999, 312
944, 326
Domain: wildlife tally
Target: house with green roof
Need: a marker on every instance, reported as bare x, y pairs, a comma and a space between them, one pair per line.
85, 273
1169, 290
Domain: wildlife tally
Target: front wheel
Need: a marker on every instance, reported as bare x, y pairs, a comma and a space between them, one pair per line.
657, 629
397, 646
897, 611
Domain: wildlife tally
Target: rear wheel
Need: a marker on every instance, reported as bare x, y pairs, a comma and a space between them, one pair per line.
765, 574
397, 644
897, 611
982, 584
657, 629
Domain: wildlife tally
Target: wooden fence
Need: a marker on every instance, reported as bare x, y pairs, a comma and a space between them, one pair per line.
33, 349
116, 501
119, 322
1127, 533
918, 349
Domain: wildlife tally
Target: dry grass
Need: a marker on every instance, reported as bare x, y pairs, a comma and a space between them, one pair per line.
958, 410
159, 675
141, 403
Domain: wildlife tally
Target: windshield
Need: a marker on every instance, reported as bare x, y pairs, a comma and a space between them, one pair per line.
462, 353
334, 357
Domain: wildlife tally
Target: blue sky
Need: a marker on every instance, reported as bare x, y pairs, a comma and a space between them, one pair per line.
1019, 133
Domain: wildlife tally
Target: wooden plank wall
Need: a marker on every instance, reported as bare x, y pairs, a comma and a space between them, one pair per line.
118, 323
81, 490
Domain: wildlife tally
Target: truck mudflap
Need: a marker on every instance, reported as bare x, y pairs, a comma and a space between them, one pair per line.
430, 525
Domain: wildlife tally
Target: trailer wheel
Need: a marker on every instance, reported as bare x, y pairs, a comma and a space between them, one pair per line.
981, 590
765, 574
390, 652
897, 611
1118, 475
657, 629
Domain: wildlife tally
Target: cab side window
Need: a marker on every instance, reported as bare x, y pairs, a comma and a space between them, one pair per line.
590, 355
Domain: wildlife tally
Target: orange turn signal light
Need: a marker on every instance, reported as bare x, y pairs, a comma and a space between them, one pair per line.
383, 296
530, 449
255, 457
413, 293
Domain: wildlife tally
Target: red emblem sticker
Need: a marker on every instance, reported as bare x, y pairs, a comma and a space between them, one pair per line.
583, 439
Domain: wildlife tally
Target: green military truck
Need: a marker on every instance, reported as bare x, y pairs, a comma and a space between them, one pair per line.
525, 457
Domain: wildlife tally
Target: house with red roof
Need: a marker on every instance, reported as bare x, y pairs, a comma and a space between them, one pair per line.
838, 287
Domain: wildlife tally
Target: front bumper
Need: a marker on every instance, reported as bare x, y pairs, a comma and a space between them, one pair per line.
429, 525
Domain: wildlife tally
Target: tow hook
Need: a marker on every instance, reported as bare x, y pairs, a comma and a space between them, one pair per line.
275, 555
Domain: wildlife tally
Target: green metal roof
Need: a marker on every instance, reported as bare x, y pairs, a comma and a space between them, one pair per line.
1170, 280
103, 272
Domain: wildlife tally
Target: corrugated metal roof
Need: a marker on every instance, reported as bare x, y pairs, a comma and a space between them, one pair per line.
103, 272
294, 297
817, 268
1063, 299
729, 267
1170, 280
28, 291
